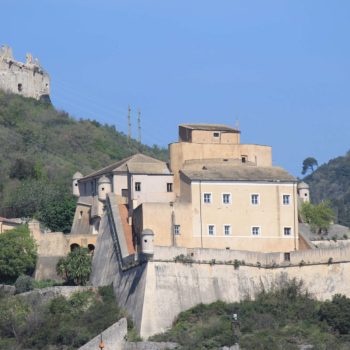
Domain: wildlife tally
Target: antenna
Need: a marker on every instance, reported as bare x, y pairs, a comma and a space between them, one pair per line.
139, 126
237, 124
129, 123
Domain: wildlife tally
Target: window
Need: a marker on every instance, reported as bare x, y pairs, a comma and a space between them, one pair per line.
80, 214
286, 256
287, 231
211, 230
244, 159
286, 199
138, 186
226, 198
255, 199
216, 134
169, 187
227, 230
255, 230
20, 87
176, 230
207, 197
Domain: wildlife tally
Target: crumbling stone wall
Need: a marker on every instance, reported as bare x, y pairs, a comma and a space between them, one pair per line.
27, 79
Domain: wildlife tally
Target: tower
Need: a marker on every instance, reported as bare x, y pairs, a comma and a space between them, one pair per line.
304, 191
75, 185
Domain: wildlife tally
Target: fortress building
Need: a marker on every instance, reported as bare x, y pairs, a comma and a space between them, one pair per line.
27, 79
215, 193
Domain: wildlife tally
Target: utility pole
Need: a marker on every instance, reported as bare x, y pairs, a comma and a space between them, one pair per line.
139, 126
129, 123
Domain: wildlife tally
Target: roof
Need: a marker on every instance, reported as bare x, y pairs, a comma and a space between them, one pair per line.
303, 185
138, 163
215, 171
209, 127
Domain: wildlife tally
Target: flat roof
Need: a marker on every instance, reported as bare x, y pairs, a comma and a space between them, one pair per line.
210, 127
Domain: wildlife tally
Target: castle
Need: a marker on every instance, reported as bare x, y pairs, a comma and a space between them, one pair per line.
215, 193
27, 79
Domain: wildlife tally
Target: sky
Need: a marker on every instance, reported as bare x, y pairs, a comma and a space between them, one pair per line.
279, 69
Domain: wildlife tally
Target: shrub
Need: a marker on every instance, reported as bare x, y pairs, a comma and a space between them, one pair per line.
337, 313
18, 254
23, 284
76, 267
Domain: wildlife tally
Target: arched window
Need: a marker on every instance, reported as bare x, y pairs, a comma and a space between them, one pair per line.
74, 246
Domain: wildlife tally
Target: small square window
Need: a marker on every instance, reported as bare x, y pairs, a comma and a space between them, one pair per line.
255, 199
286, 199
287, 231
244, 159
227, 230
226, 198
176, 230
207, 197
169, 187
216, 134
286, 256
211, 230
255, 230
138, 186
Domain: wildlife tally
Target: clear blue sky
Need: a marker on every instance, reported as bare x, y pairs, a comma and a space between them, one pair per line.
280, 67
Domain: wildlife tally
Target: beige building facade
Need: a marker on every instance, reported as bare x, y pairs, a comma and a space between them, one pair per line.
215, 193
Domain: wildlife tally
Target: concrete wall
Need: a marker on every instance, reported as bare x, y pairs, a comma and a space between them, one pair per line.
154, 293
194, 217
174, 287
153, 189
206, 136
113, 337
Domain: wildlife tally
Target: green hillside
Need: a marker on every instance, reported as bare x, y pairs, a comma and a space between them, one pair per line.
332, 181
41, 148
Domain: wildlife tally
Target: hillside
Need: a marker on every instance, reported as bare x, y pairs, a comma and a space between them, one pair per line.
41, 148
332, 181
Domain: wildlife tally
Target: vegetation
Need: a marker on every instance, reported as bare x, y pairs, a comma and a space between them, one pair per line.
59, 324
41, 148
76, 267
18, 253
309, 164
283, 318
319, 216
332, 181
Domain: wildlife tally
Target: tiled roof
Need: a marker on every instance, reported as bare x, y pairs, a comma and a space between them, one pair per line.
140, 163
215, 171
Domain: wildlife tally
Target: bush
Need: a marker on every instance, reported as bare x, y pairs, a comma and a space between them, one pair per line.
18, 254
337, 313
23, 284
76, 267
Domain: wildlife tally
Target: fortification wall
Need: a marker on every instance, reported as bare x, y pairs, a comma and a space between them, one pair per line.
26, 79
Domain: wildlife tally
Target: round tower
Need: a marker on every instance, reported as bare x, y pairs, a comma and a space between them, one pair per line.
304, 191
75, 185
147, 242
104, 187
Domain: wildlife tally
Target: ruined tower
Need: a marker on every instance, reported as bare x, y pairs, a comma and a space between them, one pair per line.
27, 79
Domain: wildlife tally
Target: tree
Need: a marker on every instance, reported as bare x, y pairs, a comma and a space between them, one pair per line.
76, 267
318, 216
58, 213
13, 316
18, 254
337, 313
309, 164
